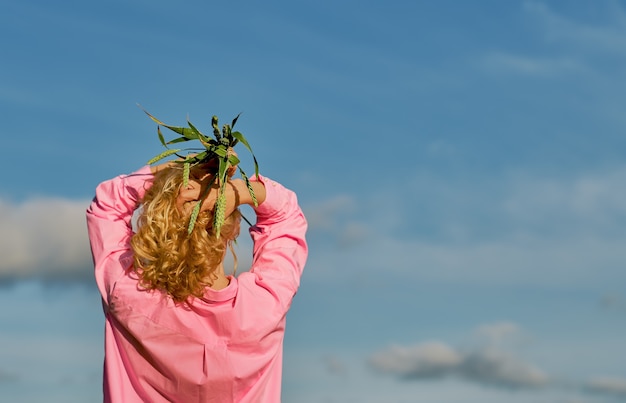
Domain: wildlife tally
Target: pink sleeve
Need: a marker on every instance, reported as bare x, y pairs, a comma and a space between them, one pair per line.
280, 248
109, 224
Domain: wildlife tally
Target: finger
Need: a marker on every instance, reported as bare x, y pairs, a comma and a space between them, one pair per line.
181, 205
188, 194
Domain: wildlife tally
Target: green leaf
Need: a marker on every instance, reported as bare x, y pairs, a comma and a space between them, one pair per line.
203, 139
233, 160
223, 167
243, 140
157, 121
197, 158
193, 128
184, 131
220, 150
164, 154
235, 120
178, 140
161, 138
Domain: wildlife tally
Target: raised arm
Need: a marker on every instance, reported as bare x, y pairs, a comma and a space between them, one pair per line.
109, 224
280, 249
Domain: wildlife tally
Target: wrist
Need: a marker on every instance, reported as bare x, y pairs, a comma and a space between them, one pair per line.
259, 192
243, 192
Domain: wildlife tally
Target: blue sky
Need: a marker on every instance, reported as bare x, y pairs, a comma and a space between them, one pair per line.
462, 165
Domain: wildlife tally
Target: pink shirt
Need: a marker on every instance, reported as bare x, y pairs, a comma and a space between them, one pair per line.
224, 347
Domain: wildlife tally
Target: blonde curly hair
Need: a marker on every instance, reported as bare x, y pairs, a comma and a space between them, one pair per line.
166, 257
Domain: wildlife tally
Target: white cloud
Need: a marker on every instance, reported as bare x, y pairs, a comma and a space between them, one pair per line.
611, 36
333, 217
582, 204
523, 261
6, 376
335, 365
488, 365
504, 62
44, 237
571, 46
47, 238
594, 202
608, 386
614, 302
436, 359
499, 368
521, 229
426, 360
495, 333
325, 214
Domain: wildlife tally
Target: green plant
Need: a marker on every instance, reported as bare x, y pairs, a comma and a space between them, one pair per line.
215, 151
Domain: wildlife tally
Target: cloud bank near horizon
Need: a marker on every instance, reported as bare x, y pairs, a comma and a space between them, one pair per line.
488, 363
44, 238
518, 229
514, 229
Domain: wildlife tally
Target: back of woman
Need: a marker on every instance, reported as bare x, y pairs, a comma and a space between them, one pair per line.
178, 329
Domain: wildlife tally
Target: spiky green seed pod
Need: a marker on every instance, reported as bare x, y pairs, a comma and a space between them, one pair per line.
186, 169
164, 154
216, 129
220, 212
194, 217
249, 186
256, 203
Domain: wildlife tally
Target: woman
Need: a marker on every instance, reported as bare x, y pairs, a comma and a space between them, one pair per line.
178, 329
